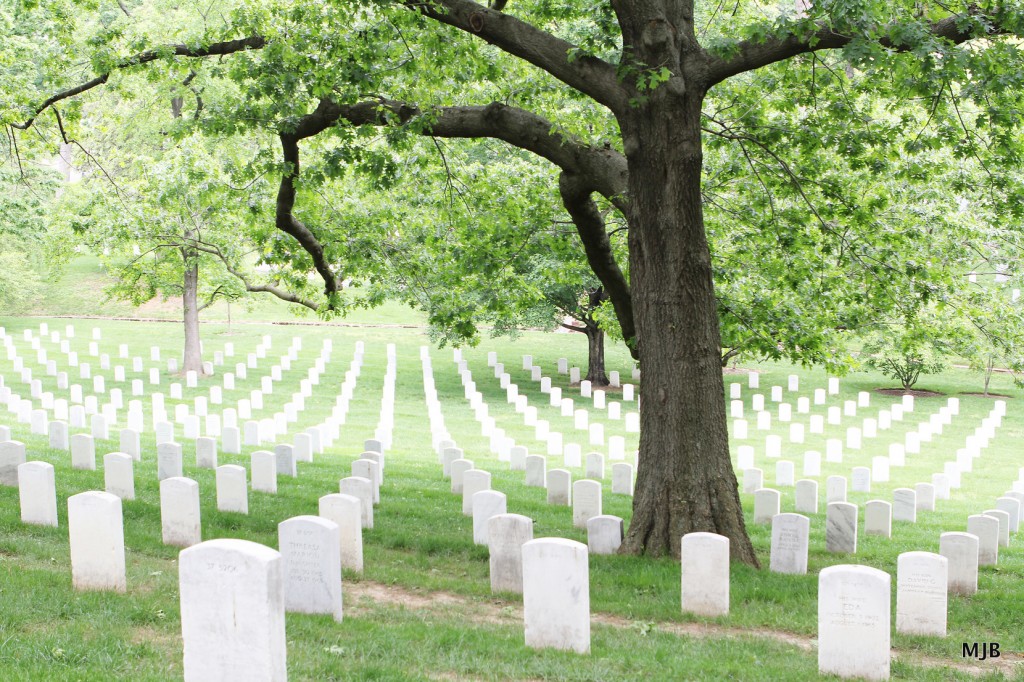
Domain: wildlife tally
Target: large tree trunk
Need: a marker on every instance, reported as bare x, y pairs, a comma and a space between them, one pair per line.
596, 374
193, 358
685, 479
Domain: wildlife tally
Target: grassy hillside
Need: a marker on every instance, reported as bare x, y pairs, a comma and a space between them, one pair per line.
79, 290
423, 608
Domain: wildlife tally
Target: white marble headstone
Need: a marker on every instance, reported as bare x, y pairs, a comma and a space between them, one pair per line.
921, 593
961, 552
705, 574
179, 512
310, 548
556, 594
854, 622
346, 511
232, 596
506, 535
789, 543
37, 493
96, 531
841, 527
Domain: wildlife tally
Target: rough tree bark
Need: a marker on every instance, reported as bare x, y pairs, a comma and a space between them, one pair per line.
596, 374
685, 479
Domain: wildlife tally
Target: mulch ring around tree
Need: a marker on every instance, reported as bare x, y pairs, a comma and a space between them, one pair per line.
597, 387
917, 393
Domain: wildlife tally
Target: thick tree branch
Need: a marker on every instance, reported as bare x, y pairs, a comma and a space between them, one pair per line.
601, 170
751, 54
604, 168
590, 75
211, 50
576, 197
286, 221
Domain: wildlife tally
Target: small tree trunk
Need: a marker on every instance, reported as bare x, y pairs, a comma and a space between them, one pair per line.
988, 373
595, 357
193, 358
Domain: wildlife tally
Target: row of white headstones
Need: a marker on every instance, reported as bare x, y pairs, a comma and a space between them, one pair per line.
553, 442
82, 446
256, 431
853, 600
313, 549
304, 576
226, 421
554, 575
98, 562
584, 496
120, 475
988, 530
924, 578
538, 628
841, 517
180, 496
880, 464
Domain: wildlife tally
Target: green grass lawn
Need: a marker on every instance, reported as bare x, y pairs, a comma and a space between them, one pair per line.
422, 544
78, 290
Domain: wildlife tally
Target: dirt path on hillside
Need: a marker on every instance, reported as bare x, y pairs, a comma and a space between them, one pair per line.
360, 597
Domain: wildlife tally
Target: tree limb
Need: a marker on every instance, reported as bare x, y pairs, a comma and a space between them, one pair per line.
256, 288
605, 169
576, 197
730, 354
286, 221
213, 297
211, 50
563, 60
752, 54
